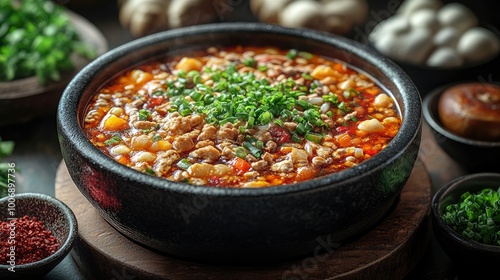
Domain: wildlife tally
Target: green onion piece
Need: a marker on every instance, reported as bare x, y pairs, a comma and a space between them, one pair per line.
291, 54
262, 68
250, 62
314, 137
301, 129
184, 164
240, 152
252, 149
144, 114
296, 138
279, 122
305, 55
196, 95
113, 140
265, 118
150, 171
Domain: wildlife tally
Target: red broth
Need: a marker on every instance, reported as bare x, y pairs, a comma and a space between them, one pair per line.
243, 117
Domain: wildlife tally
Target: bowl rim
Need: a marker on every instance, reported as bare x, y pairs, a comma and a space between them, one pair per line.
65, 247
433, 121
446, 190
410, 129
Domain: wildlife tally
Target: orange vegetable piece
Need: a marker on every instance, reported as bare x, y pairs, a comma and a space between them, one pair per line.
305, 173
240, 165
344, 139
114, 123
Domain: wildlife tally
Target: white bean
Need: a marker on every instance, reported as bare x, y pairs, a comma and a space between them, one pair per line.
143, 157
200, 170
120, 150
382, 101
371, 125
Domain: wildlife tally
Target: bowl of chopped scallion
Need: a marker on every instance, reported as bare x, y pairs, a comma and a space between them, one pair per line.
43, 45
466, 219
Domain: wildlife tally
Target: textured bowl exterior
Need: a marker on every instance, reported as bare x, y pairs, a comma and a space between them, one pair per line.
467, 253
56, 216
472, 155
216, 224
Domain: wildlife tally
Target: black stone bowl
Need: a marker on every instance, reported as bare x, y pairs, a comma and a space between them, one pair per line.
229, 224
472, 155
472, 258
56, 216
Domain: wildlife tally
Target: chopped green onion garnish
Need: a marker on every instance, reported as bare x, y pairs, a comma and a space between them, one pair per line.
184, 163
144, 114
292, 54
256, 152
314, 137
113, 140
476, 216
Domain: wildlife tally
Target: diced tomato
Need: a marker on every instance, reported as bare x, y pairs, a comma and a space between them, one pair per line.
371, 152
240, 165
155, 101
345, 129
281, 134
214, 181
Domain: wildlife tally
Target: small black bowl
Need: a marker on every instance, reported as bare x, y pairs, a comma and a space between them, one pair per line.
469, 255
56, 216
472, 155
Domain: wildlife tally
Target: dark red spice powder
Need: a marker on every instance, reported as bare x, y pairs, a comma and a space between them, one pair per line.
33, 242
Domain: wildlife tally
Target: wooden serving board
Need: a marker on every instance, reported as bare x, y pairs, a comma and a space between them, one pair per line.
389, 251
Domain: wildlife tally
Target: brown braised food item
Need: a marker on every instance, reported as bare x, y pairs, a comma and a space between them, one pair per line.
472, 110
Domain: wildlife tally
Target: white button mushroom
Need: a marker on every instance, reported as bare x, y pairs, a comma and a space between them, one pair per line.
395, 25
425, 18
457, 15
444, 57
409, 7
416, 45
478, 44
446, 37
301, 13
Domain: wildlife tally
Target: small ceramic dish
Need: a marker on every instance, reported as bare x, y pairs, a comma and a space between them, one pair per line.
57, 217
466, 252
471, 154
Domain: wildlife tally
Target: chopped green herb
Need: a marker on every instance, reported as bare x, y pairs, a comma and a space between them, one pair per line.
250, 62
113, 140
37, 38
144, 114
256, 152
184, 163
476, 216
291, 54
314, 137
